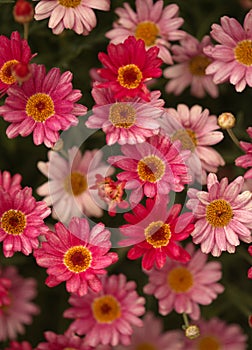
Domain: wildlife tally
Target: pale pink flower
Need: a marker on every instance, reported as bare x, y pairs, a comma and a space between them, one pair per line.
69, 182
18, 312
24, 345
66, 341
70, 14
21, 221
217, 334
42, 105
153, 23
190, 68
107, 317
245, 161
231, 56
223, 215
77, 255
10, 183
196, 129
184, 287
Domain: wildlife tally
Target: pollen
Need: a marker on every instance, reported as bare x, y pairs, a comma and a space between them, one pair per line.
69, 3
209, 343
187, 137
76, 183
122, 115
151, 168
13, 222
243, 52
106, 309
180, 279
40, 107
158, 234
6, 72
219, 213
148, 32
129, 76
198, 65
77, 259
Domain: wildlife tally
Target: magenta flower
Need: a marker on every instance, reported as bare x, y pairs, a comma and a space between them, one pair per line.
190, 68
107, 317
127, 67
70, 14
21, 221
10, 183
154, 167
43, 105
153, 23
14, 345
154, 231
76, 255
184, 287
61, 342
223, 215
231, 56
245, 161
19, 309
13, 51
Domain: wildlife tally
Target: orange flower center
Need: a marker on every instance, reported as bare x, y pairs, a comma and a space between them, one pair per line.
76, 183
187, 138
208, 343
40, 107
243, 52
151, 168
180, 279
77, 259
145, 346
13, 222
219, 213
158, 234
69, 3
148, 32
129, 76
6, 72
106, 309
198, 65
122, 115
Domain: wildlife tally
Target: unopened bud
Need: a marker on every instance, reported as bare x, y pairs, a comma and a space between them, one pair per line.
226, 120
21, 71
192, 331
23, 11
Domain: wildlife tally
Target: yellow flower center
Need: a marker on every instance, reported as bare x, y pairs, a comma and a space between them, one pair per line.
180, 279
219, 212
187, 138
13, 222
151, 168
69, 3
209, 343
198, 64
77, 259
69, 348
40, 107
129, 76
122, 115
243, 52
6, 72
158, 234
145, 346
106, 309
148, 32
76, 183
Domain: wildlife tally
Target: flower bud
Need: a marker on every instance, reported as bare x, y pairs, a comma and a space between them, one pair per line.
21, 72
192, 331
226, 120
23, 11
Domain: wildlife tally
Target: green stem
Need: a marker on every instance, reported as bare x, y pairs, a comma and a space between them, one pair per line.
233, 137
26, 30
186, 321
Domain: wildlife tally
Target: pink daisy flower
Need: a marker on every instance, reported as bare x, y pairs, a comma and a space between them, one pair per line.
10, 183
223, 215
190, 68
127, 67
77, 15
154, 231
154, 167
152, 337
250, 269
232, 59
19, 310
21, 221
153, 23
76, 255
61, 342
69, 182
107, 317
217, 334
183, 287
14, 345
13, 51
130, 121
44, 105
196, 129
245, 161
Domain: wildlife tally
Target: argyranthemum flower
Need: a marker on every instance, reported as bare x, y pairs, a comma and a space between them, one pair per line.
61, 342
245, 161
152, 337
69, 181
77, 255
77, 15
153, 167
216, 334
184, 287
24, 345
13, 51
196, 129
19, 310
8, 182
223, 215
154, 231
107, 317
190, 68
232, 58
128, 66
153, 23
21, 221
43, 105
